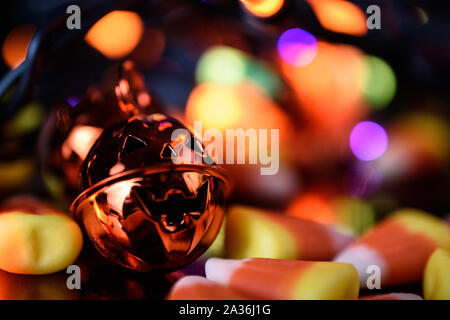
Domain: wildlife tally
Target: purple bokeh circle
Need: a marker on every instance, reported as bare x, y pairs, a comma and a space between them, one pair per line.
368, 141
297, 47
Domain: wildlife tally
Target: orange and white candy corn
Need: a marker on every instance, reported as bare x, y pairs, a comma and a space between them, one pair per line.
436, 282
399, 246
392, 296
253, 233
36, 238
38, 243
200, 288
276, 279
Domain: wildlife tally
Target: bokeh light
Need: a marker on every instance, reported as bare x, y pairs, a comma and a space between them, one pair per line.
222, 106
226, 107
340, 16
379, 82
227, 65
116, 34
368, 141
313, 206
73, 101
263, 8
329, 88
217, 105
263, 76
222, 64
15, 46
297, 47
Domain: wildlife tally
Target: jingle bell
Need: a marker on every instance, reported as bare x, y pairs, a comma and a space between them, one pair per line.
142, 209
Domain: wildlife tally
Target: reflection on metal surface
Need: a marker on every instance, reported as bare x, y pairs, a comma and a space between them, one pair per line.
154, 222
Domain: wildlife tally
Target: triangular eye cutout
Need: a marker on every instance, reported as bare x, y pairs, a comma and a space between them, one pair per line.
168, 152
132, 144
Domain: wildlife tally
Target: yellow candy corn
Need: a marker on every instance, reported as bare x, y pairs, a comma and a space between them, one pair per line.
253, 233
436, 282
277, 279
399, 246
217, 248
38, 243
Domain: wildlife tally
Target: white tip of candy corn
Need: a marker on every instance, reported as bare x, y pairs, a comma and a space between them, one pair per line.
200, 288
406, 296
220, 270
362, 257
339, 239
189, 281
393, 296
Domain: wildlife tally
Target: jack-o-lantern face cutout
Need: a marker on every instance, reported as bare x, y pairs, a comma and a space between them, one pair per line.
140, 208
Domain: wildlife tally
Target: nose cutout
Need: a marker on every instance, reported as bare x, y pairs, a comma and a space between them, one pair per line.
175, 211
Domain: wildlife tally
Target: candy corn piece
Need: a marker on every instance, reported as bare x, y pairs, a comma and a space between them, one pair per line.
392, 296
436, 282
275, 279
254, 233
217, 248
398, 247
200, 288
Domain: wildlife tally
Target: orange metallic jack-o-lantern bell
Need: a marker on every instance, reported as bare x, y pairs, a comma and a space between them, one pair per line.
141, 207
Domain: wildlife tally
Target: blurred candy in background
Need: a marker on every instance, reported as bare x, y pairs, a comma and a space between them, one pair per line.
116, 34
340, 16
